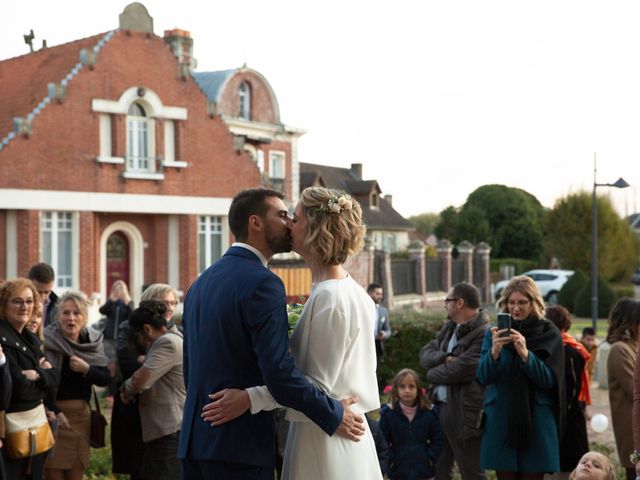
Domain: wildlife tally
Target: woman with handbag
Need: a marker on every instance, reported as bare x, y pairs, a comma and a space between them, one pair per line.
77, 353
32, 378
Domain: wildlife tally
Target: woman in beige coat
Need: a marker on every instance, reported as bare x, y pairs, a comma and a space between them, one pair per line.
623, 336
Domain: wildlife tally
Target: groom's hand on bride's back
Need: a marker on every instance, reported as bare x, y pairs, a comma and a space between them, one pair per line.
352, 426
226, 405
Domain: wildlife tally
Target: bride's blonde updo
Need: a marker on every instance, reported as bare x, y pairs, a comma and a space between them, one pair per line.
334, 225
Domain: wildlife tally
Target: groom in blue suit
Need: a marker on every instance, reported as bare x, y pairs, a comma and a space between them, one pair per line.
235, 336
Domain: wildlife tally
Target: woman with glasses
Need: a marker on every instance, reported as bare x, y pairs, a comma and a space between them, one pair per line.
78, 354
523, 368
166, 294
32, 377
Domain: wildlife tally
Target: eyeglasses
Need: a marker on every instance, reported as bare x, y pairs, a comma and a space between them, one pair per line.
19, 302
452, 299
170, 303
519, 303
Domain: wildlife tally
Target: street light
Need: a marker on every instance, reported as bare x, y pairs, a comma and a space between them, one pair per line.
620, 183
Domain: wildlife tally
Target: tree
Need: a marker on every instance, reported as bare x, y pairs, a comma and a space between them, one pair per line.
509, 219
425, 223
446, 227
568, 227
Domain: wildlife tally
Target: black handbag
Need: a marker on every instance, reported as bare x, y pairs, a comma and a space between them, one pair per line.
98, 425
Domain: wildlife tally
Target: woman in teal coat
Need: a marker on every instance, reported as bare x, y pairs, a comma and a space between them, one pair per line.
523, 370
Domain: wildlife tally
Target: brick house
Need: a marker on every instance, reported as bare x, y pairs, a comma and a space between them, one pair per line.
118, 164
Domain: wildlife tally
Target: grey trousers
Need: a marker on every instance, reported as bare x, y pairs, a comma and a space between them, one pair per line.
466, 453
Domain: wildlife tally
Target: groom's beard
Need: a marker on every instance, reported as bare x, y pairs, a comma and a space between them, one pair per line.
278, 243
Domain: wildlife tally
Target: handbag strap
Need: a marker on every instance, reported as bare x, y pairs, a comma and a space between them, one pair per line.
95, 399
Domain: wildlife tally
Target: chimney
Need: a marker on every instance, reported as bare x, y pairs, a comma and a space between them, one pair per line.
182, 46
356, 170
389, 199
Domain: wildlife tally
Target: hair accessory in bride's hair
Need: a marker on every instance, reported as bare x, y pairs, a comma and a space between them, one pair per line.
337, 204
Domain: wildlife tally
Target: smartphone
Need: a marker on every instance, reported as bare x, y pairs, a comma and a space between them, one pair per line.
504, 321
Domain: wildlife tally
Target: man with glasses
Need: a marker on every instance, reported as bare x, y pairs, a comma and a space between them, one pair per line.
451, 361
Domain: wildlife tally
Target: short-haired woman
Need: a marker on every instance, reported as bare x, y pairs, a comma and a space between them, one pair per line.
524, 370
77, 353
32, 377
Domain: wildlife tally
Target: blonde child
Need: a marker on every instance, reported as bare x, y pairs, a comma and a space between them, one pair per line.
593, 466
411, 429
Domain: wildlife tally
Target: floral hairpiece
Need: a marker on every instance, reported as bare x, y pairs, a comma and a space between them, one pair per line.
337, 204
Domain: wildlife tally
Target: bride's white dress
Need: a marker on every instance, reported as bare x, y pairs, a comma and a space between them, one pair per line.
333, 344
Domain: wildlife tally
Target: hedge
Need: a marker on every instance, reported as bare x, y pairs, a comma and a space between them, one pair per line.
412, 330
521, 265
569, 291
606, 299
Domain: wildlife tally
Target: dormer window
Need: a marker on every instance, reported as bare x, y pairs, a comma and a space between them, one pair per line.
140, 133
245, 101
374, 200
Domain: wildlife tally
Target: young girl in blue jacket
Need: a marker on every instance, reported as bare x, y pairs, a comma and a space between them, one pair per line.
411, 429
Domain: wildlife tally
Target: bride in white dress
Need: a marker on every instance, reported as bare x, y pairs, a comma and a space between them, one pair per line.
333, 342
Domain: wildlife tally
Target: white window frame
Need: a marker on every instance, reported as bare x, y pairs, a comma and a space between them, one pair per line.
277, 156
244, 100
169, 159
209, 225
141, 141
62, 282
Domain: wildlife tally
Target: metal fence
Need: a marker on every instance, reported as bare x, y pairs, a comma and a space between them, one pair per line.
403, 274
433, 273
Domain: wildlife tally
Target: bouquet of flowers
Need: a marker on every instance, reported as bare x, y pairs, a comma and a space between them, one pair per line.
294, 311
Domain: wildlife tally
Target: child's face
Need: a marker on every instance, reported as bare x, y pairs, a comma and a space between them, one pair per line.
408, 390
589, 340
593, 466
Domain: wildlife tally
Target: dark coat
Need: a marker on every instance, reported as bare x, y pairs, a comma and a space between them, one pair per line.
23, 353
541, 455
415, 446
116, 313
574, 443
235, 336
465, 395
382, 449
126, 429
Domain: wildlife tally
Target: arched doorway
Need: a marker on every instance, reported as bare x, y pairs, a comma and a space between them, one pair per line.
117, 259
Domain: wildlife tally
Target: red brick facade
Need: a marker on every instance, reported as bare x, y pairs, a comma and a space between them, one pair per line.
57, 160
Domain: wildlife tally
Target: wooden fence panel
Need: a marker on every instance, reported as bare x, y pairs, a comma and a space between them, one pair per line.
297, 282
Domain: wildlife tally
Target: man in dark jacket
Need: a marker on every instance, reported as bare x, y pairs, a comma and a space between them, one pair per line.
451, 361
43, 277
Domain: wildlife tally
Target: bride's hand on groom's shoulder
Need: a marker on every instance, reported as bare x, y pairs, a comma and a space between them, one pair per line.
352, 426
226, 405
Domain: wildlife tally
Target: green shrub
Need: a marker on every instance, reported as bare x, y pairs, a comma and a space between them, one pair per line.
411, 331
521, 265
606, 299
569, 291
620, 291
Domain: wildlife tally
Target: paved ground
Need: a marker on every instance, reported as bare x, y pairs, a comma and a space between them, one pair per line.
600, 404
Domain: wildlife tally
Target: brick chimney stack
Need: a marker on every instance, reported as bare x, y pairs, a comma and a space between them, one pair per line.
182, 46
389, 198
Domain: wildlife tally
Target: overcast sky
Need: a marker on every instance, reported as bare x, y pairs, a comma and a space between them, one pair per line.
434, 98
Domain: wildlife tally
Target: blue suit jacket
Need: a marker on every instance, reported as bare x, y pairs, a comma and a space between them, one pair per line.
235, 336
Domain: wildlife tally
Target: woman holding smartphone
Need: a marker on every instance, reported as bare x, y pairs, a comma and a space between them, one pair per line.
524, 372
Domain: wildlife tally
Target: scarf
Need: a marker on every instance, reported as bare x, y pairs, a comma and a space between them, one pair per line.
544, 341
57, 346
568, 340
409, 412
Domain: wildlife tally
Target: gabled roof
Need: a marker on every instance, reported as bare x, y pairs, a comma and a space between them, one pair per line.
25, 79
385, 217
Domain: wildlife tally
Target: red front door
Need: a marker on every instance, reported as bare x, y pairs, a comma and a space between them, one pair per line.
117, 259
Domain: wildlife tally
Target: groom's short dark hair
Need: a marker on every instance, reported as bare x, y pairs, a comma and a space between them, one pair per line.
246, 203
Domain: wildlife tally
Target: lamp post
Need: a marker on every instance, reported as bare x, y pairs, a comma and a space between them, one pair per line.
620, 183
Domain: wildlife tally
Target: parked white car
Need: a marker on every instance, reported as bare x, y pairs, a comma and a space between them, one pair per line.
548, 281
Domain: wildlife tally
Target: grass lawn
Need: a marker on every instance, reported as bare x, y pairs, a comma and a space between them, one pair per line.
580, 323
